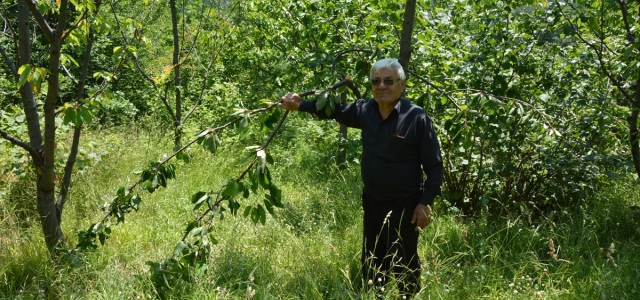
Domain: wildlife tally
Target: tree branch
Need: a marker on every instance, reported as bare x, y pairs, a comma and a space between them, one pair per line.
625, 17
33, 152
74, 26
66, 71
202, 88
446, 94
340, 54
7, 60
71, 159
68, 170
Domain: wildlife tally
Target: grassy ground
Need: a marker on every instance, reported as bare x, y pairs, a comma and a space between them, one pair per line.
311, 248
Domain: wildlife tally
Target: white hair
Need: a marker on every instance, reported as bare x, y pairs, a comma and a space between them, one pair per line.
388, 64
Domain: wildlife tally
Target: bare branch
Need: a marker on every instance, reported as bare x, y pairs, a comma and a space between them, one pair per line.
14, 140
66, 71
7, 60
202, 88
68, 169
166, 103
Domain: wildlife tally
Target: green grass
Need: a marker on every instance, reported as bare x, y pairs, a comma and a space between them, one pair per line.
311, 248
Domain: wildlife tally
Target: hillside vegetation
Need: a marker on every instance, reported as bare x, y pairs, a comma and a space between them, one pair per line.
310, 249
142, 154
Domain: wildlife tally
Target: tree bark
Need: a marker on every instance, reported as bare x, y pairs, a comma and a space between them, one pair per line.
633, 129
46, 200
28, 100
177, 80
71, 159
407, 31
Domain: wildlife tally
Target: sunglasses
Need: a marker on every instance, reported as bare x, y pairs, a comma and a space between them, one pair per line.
387, 82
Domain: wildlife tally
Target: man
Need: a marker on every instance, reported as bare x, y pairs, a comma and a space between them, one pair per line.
398, 145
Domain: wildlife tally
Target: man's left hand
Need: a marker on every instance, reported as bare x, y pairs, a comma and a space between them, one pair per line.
421, 216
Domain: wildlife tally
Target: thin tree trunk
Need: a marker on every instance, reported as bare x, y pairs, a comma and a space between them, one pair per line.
407, 31
633, 129
176, 69
71, 160
28, 100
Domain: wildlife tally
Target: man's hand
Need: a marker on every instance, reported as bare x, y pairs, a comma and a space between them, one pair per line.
290, 101
421, 216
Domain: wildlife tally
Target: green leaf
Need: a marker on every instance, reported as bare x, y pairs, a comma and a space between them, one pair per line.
322, 99
197, 196
247, 211
262, 214
269, 206
253, 177
198, 231
184, 156
84, 115
276, 195
70, 116
191, 226
263, 178
180, 248
233, 206
233, 188
149, 186
117, 52
201, 201
24, 71
210, 143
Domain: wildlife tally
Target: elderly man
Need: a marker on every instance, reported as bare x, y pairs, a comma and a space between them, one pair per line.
398, 145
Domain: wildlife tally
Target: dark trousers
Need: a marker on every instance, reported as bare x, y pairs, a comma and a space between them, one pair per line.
390, 244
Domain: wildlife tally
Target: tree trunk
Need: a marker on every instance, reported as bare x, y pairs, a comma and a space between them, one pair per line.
46, 172
407, 31
43, 159
176, 69
633, 129
29, 103
71, 159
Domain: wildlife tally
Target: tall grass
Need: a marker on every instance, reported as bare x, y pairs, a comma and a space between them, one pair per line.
311, 248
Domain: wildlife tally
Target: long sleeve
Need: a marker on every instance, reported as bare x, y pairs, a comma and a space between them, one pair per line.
431, 160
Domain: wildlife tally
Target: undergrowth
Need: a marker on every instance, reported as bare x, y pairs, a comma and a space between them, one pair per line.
311, 248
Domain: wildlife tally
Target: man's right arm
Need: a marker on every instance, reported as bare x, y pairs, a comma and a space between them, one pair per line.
344, 113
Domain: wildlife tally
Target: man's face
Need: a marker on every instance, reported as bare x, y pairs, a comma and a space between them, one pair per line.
383, 93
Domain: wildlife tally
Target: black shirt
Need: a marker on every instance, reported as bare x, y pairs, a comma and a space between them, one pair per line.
395, 151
